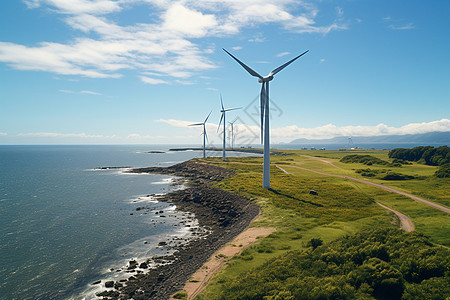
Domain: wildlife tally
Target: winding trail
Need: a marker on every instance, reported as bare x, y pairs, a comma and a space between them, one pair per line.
405, 223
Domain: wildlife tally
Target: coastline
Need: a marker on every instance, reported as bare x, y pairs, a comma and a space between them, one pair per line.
223, 214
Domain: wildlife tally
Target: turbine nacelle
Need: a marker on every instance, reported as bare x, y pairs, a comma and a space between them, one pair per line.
265, 79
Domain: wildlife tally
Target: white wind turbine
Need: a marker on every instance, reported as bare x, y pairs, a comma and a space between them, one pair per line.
264, 105
223, 111
205, 136
232, 133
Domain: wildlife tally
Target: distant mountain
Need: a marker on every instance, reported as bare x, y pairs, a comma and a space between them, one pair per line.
436, 137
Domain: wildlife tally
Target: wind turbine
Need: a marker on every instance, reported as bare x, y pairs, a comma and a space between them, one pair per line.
205, 136
264, 105
232, 132
223, 111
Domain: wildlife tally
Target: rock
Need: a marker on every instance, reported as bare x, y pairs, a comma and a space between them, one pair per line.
162, 243
313, 192
143, 265
117, 285
96, 282
109, 284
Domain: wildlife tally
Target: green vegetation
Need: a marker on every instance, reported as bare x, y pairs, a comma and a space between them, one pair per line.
373, 264
368, 160
383, 174
443, 171
309, 226
426, 155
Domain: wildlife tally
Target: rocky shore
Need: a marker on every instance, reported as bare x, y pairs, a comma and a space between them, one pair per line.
224, 214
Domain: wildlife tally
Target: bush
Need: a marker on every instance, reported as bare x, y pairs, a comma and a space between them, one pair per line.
364, 159
427, 155
396, 176
443, 171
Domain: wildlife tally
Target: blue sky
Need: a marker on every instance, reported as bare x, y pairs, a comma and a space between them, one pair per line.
140, 71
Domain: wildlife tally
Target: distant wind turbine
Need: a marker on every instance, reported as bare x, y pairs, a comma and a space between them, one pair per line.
205, 136
223, 111
264, 105
232, 132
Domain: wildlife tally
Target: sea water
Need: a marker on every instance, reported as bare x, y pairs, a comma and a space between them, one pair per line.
65, 223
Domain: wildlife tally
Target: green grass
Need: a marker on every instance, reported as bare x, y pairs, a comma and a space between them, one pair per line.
342, 207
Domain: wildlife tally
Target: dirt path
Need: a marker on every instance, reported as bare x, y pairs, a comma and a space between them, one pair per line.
322, 160
405, 223
380, 186
200, 278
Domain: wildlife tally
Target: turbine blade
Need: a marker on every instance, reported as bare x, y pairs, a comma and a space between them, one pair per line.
233, 108
249, 70
221, 101
220, 122
207, 117
286, 64
197, 124
206, 135
262, 107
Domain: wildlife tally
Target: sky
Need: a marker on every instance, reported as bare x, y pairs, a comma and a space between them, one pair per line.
141, 71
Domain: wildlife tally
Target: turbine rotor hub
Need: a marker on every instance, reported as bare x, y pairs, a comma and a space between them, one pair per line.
265, 79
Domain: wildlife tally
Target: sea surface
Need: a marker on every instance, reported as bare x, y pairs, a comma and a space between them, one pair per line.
65, 224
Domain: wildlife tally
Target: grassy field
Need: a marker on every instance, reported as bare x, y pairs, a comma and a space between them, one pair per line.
342, 207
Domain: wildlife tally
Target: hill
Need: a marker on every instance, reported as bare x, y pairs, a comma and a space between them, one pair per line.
441, 138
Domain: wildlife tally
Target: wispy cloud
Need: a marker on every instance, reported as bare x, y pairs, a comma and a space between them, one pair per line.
80, 92
283, 54
397, 24
3, 134
153, 80
90, 93
402, 27
63, 135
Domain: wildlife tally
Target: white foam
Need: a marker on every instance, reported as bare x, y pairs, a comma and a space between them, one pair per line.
164, 181
146, 199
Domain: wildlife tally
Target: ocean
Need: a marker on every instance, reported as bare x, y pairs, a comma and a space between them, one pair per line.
64, 223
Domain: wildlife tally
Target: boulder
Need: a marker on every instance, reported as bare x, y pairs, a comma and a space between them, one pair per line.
313, 192
109, 284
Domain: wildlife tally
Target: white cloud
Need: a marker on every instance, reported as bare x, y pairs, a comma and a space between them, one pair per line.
283, 54
63, 135
402, 27
322, 60
78, 6
176, 123
138, 136
289, 133
3, 134
152, 80
66, 91
90, 93
169, 44
183, 20
236, 48
329, 131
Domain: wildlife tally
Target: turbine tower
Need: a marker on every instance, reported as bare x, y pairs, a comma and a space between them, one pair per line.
232, 132
205, 136
264, 106
223, 111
